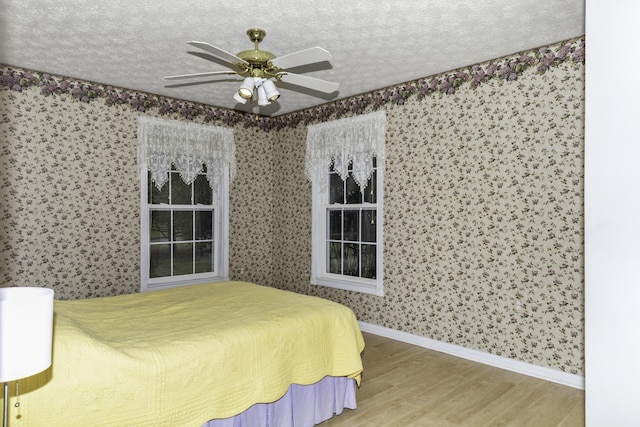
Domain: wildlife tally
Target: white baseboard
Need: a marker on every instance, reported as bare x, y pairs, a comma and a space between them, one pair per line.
548, 374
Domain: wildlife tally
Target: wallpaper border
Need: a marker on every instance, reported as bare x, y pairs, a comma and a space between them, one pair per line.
507, 68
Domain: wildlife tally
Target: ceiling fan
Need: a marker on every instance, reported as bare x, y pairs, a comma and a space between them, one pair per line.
262, 69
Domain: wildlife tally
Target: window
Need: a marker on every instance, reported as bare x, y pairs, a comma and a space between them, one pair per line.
184, 238
347, 209
185, 171
185, 234
348, 253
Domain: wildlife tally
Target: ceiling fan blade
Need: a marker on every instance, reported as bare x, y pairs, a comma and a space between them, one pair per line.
309, 82
197, 83
188, 76
303, 57
215, 59
219, 53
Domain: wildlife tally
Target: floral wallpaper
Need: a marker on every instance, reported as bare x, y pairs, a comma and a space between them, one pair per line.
68, 180
483, 200
70, 201
252, 197
484, 189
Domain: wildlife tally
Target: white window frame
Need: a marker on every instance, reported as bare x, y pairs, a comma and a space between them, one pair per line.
221, 240
319, 274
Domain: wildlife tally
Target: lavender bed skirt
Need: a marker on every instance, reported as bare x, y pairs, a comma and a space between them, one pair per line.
301, 406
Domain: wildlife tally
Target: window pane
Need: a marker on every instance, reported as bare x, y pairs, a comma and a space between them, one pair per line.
180, 192
204, 225
182, 258
204, 257
334, 258
159, 260
202, 193
369, 261
370, 193
368, 226
335, 225
351, 262
160, 226
351, 225
182, 225
336, 189
157, 196
353, 191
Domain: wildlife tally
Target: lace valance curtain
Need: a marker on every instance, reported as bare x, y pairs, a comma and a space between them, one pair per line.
342, 142
187, 146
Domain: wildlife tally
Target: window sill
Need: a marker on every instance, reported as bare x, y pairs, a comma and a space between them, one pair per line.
371, 287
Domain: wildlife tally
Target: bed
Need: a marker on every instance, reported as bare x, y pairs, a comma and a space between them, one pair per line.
214, 355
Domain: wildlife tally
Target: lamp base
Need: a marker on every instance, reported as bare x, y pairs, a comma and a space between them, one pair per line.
5, 413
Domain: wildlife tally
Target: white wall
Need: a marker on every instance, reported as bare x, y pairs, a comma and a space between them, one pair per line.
612, 213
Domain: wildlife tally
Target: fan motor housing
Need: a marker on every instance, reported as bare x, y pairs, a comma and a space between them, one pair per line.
256, 56
257, 59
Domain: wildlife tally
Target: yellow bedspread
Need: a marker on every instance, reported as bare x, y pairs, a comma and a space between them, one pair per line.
183, 356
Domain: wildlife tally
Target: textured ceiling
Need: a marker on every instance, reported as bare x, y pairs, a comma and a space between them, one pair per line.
134, 43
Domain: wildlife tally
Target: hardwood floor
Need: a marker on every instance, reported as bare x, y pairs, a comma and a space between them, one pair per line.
404, 385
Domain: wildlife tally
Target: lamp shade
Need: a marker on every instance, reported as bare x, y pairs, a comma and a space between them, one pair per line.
26, 328
246, 88
271, 91
239, 99
262, 97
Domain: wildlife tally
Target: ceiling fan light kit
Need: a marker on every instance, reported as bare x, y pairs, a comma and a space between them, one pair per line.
262, 70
